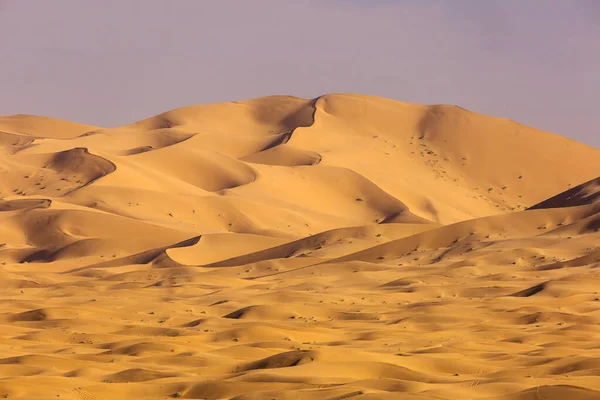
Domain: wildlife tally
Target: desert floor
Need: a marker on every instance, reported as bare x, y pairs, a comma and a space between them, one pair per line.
282, 248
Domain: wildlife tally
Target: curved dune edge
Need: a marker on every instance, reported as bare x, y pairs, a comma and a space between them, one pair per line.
283, 248
79, 162
280, 153
284, 155
158, 257
210, 171
165, 139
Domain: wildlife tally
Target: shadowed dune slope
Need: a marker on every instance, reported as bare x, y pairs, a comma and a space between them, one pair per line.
344, 247
586, 193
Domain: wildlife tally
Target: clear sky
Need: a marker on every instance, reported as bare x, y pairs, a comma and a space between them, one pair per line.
111, 62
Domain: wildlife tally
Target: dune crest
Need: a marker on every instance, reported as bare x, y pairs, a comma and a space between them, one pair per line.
346, 246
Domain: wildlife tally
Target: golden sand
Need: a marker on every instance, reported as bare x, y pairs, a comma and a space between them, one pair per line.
282, 248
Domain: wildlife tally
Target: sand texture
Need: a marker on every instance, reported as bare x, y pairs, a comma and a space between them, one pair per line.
346, 247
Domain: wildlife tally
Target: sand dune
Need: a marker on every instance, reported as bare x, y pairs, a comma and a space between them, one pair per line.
586, 193
281, 248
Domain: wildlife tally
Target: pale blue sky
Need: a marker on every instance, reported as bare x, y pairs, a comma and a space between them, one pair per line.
112, 62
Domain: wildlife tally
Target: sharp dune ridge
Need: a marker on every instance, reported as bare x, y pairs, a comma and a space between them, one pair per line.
341, 247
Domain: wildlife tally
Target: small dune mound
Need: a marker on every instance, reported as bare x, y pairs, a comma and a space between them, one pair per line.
271, 313
143, 349
249, 333
31, 316
138, 150
532, 291
284, 155
281, 360
41, 318
137, 375
13, 205
259, 312
586, 193
88, 373
78, 162
152, 331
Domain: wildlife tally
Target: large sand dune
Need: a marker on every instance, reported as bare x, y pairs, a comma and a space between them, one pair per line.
281, 248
